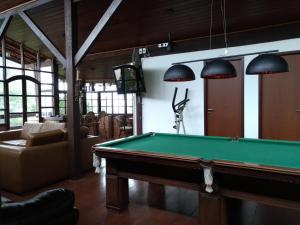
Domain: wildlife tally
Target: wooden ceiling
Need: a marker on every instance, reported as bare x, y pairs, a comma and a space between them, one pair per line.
143, 23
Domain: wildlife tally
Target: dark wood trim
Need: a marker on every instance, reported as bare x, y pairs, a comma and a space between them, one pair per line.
260, 102
139, 114
6, 99
243, 97
55, 86
23, 7
205, 89
44, 39
72, 103
22, 58
4, 26
96, 31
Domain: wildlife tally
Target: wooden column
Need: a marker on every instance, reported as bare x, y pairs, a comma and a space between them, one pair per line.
139, 114
55, 82
73, 102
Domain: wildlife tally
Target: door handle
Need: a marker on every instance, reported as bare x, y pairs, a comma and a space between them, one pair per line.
210, 110
298, 110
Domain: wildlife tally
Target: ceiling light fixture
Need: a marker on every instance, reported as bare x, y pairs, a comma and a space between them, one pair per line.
218, 68
179, 73
267, 64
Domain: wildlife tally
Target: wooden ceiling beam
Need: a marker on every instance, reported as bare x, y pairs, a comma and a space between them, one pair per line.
44, 39
23, 7
96, 31
4, 26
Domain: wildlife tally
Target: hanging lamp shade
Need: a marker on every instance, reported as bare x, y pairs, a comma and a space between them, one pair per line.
179, 73
218, 69
267, 64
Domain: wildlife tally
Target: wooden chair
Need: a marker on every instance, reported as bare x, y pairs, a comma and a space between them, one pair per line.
121, 129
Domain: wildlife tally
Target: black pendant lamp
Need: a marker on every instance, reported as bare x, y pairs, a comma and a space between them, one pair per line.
267, 64
178, 73
218, 69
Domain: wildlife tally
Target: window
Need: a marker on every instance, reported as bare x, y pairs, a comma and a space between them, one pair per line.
62, 89
92, 102
47, 92
105, 98
23, 96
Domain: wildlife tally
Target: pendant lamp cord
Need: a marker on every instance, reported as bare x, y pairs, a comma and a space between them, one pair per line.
211, 23
223, 10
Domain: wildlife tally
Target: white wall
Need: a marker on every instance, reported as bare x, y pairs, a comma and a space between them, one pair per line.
158, 115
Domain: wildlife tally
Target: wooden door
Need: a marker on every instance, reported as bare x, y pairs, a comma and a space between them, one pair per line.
280, 103
224, 114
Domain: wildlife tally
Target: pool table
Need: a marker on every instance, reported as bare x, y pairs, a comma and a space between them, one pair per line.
219, 168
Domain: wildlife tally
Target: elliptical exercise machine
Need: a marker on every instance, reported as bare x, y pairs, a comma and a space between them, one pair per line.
178, 110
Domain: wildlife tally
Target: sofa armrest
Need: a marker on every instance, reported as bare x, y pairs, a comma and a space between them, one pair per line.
24, 169
10, 135
10, 166
41, 209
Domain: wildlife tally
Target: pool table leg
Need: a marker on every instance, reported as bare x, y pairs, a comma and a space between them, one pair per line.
212, 209
117, 196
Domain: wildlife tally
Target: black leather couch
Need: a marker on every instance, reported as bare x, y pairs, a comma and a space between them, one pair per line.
54, 207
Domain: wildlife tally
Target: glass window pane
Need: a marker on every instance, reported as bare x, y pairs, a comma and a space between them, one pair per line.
111, 87
62, 103
30, 73
15, 104
129, 102
94, 95
1, 102
99, 87
48, 112
46, 78
121, 110
109, 103
95, 109
103, 103
103, 96
62, 96
47, 101
31, 88
129, 110
2, 117
15, 120
1, 70
62, 85
62, 111
45, 87
15, 87
89, 108
1, 88
109, 110
32, 104
33, 117
12, 72
121, 103
116, 110
129, 96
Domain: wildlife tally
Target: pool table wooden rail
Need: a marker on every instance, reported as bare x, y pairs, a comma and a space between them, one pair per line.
269, 185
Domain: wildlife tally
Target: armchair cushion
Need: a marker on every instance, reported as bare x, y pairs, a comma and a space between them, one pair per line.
43, 138
45, 208
29, 128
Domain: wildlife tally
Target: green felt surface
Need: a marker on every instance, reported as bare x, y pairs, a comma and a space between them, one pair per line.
262, 152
